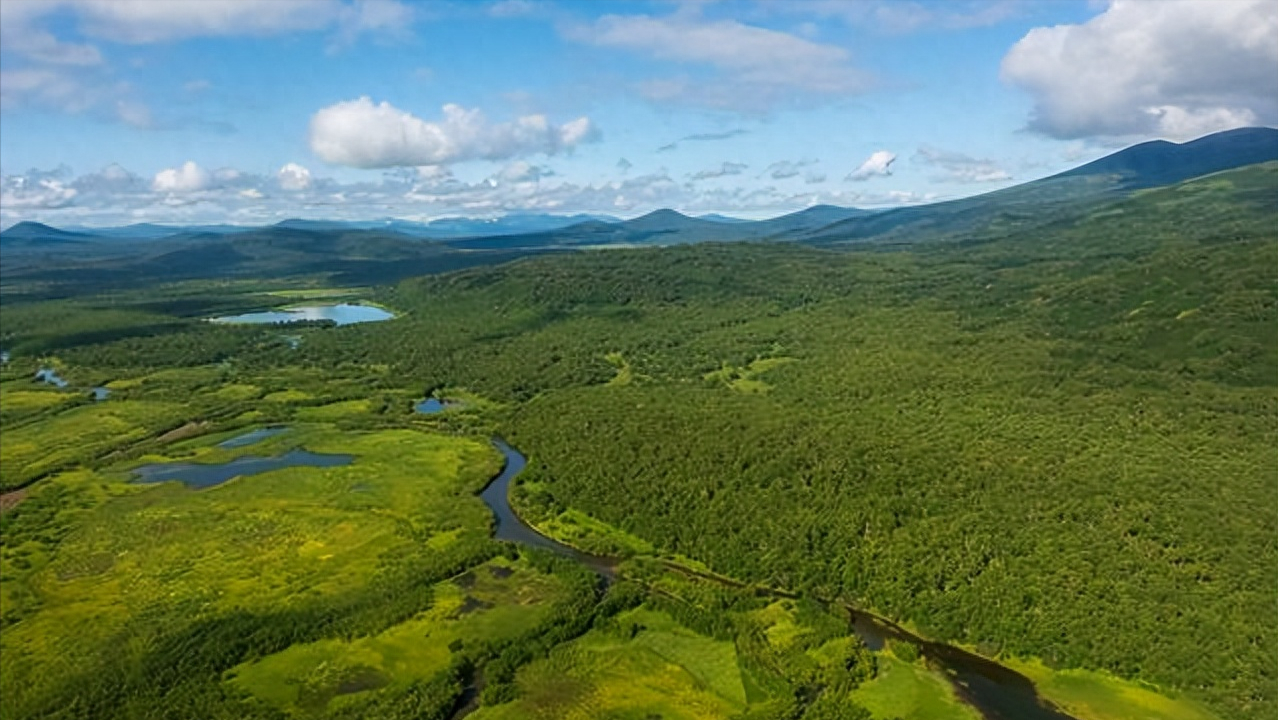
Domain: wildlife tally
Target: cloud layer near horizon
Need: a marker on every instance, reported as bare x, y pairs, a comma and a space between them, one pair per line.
190, 194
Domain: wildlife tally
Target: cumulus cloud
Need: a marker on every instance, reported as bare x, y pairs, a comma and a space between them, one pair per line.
112, 179
359, 133
724, 168
878, 164
756, 68
522, 172
28, 193
957, 167
1171, 68
293, 177
188, 177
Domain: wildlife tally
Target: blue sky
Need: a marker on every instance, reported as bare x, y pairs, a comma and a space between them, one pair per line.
120, 111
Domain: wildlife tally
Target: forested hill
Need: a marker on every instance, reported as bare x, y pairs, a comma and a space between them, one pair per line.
1160, 162
1057, 446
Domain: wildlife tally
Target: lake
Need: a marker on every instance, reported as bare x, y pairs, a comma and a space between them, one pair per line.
341, 313
50, 376
431, 406
202, 475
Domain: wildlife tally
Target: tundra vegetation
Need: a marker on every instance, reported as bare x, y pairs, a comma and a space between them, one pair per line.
1054, 448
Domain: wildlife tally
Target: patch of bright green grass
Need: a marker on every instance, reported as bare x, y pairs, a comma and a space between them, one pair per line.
288, 396
492, 606
80, 435
334, 411
664, 671
23, 401
1093, 695
260, 544
745, 379
582, 531
910, 692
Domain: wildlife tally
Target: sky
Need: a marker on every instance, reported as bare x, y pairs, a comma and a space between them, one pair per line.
233, 111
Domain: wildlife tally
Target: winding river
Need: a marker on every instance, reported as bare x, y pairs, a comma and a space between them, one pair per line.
996, 692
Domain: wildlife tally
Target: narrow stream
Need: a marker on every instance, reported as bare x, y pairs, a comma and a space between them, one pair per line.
997, 692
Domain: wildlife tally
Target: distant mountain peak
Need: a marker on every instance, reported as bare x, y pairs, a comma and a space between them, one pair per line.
1161, 162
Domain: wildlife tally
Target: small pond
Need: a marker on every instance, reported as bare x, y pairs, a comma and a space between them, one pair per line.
100, 394
253, 436
201, 475
431, 406
342, 314
49, 375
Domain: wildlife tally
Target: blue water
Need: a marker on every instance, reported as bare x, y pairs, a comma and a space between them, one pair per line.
431, 406
342, 314
50, 376
200, 475
100, 394
254, 436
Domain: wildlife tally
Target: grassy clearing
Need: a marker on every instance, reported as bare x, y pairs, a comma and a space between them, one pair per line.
318, 293
746, 379
910, 691
1092, 695
664, 670
271, 543
26, 401
494, 601
575, 528
334, 411
80, 435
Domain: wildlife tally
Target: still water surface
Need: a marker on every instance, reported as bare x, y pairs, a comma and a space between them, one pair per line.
342, 314
203, 475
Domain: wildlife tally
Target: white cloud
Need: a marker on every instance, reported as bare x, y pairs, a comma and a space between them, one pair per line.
787, 168
293, 177
758, 68
359, 133
724, 169
902, 16
385, 17
878, 164
957, 167
520, 172
132, 112
1171, 68
187, 194
514, 8
147, 21
189, 177
29, 193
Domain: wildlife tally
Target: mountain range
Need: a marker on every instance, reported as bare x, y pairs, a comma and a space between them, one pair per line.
383, 250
